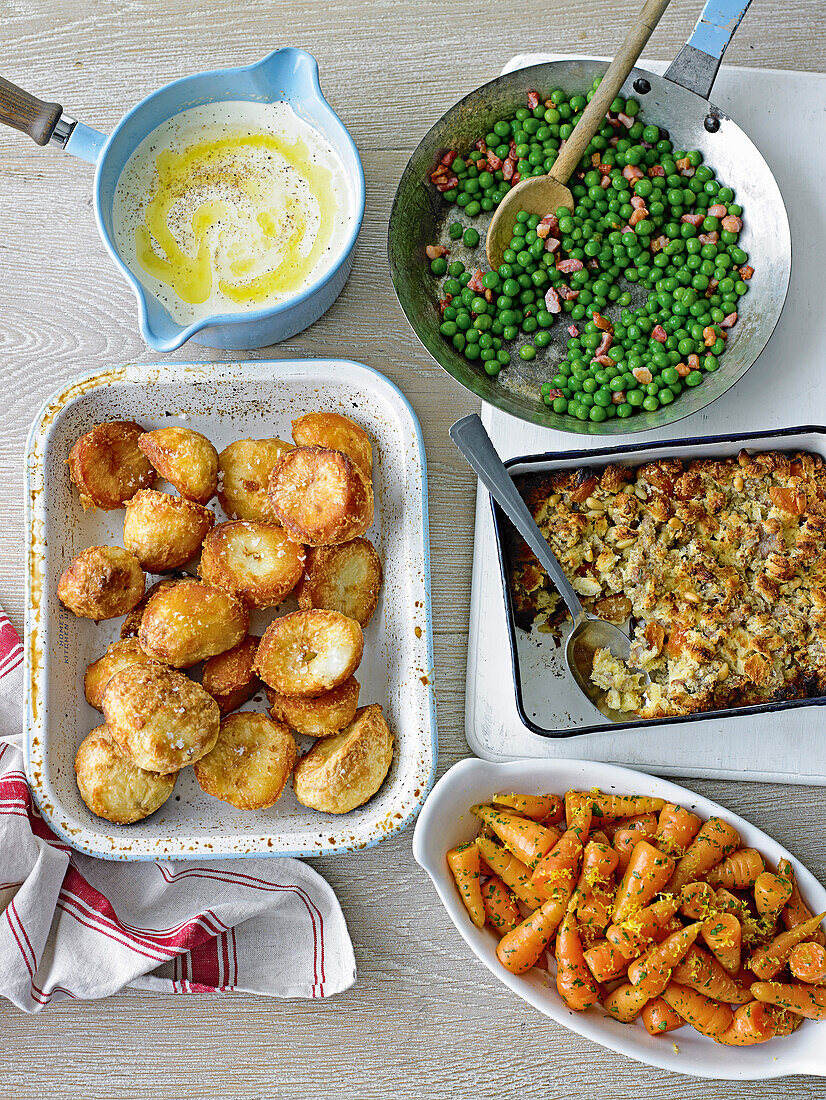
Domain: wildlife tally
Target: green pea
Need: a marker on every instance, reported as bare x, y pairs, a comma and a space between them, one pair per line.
527, 352
439, 265
456, 268
454, 230
471, 237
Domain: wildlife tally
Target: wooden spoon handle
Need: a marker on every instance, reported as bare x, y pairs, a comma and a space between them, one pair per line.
611, 83
25, 112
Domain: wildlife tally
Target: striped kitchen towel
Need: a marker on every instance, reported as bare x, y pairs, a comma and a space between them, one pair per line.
76, 927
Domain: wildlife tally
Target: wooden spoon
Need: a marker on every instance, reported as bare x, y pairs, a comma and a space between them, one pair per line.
544, 194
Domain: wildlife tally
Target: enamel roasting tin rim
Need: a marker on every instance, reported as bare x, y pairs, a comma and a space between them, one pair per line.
801, 438
227, 402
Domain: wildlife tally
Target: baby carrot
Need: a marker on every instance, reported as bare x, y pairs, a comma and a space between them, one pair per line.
513, 873
617, 805
738, 871
605, 961
519, 949
501, 911
645, 876
574, 982
594, 894
556, 873
464, 863
711, 845
796, 911
659, 1017
676, 828
804, 1000
521, 836
706, 1016
635, 829
626, 1002
767, 961
752, 1023
697, 900
783, 1021
701, 971
547, 808
771, 892
635, 933
724, 936
652, 971
807, 963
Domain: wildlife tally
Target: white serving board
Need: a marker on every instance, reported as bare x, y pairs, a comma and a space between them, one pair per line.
785, 115
228, 402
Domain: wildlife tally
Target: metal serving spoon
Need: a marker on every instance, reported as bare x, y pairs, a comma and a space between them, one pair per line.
545, 194
590, 633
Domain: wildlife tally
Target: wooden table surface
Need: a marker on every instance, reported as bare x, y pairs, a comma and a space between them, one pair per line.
424, 1016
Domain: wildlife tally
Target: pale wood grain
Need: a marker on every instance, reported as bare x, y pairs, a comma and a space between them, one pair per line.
425, 1018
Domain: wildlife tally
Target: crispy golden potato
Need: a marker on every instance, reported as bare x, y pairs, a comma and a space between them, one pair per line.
131, 624
102, 582
250, 763
244, 469
320, 716
344, 578
254, 561
107, 466
230, 677
164, 532
158, 718
119, 655
112, 786
185, 458
336, 433
320, 496
190, 622
309, 652
341, 772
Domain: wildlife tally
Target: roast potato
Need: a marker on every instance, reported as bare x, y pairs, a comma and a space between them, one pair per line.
344, 578
107, 465
342, 772
164, 532
250, 763
158, 718
112, 786
321, 497
309, 652
320, 716
244, 469
131, 624
119, 655
190, 622
337, 433
185, 458
230, 677
254, 561
102, 582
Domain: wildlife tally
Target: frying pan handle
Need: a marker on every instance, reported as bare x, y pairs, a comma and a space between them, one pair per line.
43, 122
695, 66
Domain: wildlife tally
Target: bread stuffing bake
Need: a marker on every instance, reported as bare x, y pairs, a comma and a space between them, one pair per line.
720, 565
297, 516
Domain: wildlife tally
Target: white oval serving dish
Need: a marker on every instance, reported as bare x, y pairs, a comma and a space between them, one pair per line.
227, 401
445, 821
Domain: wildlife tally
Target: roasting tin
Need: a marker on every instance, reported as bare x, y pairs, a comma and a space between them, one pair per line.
226, 402
547, 699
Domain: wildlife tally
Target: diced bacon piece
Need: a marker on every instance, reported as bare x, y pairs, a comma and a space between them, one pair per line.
602, 323
448, 158
476, 283
553, 394
613, 121
552, 221
494, 162
626, 120
683, 369
488, 295
659, 243
712, 287
658, 333
709, 336
617, 397
604, 360
592, 264
631, 172
643, 375
709, 238
515, 178
512, 147
612, 141
445, 302
594, 160
533, 99
745, 272
605, 183
732, 223
434, 251
543, 231
566, 293
567, 267
683, 163
728, 322
508, 168
637, 202
693, 219
482, 163
448, 183
718, 210
604, 344
656, 170
573, 330
626, 229
694, 361
481, 145
551, 244
552, 301
604, 170
638, 216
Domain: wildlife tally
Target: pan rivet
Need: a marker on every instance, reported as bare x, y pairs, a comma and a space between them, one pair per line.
711, 123
642, 86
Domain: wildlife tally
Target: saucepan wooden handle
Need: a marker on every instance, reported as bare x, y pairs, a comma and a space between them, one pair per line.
25, 112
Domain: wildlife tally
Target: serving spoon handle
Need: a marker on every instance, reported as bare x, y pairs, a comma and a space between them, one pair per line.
473, 441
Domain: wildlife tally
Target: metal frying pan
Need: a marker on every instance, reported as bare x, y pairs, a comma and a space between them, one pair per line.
677, 102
